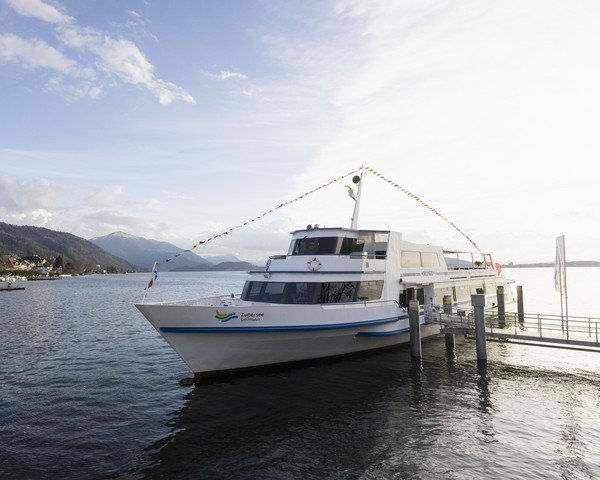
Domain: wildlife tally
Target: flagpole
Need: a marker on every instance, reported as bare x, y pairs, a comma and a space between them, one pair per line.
149, 283
560, 271
560, 277
566, 296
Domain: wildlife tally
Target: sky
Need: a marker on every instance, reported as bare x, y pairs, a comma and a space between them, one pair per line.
178, 120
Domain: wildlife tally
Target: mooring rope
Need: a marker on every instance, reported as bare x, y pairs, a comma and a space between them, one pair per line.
422, 202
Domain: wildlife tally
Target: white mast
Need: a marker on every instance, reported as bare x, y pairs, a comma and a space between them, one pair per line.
356, 179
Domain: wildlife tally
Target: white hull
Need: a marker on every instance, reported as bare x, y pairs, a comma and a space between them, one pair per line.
258, 336
337, 291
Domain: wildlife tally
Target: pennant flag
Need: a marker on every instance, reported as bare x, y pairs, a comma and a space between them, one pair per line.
418, 199
153, 277
281, 205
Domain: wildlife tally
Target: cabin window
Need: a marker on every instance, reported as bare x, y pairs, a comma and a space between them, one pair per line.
478, 260
316, 246
373, 244
430, 259
273, 292
304, 293
326, 246
312, 292
410, 259
337, 292
252, 291
351, 245
370, 290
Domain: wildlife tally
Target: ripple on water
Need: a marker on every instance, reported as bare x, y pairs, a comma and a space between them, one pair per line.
88, 390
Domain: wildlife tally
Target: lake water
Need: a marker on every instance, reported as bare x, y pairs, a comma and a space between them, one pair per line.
88, 389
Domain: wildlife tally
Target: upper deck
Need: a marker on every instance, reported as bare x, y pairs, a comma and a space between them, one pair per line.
348, 251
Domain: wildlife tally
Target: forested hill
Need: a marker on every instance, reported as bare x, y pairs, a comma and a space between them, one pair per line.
49, 244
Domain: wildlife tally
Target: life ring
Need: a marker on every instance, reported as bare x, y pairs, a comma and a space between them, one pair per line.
498, 268
314, 264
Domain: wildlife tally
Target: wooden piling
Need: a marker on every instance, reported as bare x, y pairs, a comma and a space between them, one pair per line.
415, 329
520, 308
501, 307
449, 337
478, 302
447, 302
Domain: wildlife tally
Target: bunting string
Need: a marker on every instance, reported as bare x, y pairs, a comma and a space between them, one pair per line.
300, 197
422, 202
262, 215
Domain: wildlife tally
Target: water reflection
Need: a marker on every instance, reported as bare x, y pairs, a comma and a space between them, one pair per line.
312, 421
483, 386
571, 461
417, 399
375, 416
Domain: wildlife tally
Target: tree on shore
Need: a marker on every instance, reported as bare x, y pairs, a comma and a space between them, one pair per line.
59, 263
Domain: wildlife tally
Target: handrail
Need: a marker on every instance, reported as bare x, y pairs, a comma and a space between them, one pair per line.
547, 328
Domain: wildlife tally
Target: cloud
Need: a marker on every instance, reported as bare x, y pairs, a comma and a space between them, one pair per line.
36, 54
104, 196
18, 197
40, 10
124, 60
38, 217
113, 220
226, 74
252, 92
106, 59
471, 96
74, 209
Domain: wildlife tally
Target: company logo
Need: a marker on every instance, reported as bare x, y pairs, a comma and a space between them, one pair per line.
225, 317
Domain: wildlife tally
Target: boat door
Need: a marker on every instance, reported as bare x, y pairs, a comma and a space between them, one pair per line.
429, 297
411, 293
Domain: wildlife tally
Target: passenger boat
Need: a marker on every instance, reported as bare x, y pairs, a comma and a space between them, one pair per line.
337, 291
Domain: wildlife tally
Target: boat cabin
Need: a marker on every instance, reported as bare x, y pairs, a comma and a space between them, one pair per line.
340, 265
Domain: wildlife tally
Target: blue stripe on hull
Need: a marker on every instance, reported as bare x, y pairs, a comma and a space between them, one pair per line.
290, 328
383, 334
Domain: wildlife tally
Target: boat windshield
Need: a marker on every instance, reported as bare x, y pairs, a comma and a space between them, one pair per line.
312, 292
326, 246
371, 244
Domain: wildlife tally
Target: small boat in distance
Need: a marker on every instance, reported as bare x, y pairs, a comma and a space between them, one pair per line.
337, 291
9, 288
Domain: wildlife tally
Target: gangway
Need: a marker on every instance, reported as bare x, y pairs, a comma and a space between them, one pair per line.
574, 332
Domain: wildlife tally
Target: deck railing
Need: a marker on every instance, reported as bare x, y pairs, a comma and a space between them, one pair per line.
578, 330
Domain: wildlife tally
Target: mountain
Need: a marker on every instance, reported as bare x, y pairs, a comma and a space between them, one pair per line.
144, 252
221, 267
575, 263
216, 259
49, 244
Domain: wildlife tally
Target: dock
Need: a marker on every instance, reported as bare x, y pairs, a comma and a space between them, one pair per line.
555, 331
534, 329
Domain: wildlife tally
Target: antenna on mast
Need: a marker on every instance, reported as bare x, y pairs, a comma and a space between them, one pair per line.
357, 180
